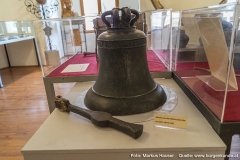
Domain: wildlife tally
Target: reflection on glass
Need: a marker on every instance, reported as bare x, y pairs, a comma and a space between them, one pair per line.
160, 35
89, 23
11, 27
1, 30
26, 27
107, 5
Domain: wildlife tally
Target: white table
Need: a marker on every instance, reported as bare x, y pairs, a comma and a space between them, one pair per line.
66, 136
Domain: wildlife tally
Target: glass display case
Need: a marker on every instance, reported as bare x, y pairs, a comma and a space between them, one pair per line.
161, 34
205, 50
206, 64
68, 49
22, 32
15, 29
62, 44
59, 40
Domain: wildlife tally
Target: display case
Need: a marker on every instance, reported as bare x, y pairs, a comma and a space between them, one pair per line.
209, 49
12, 32
68, 52
58, 40
206, 65
15, 29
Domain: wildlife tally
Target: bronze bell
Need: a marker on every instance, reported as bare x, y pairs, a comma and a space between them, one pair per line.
124, 85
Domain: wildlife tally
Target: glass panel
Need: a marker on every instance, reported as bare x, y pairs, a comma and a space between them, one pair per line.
107, 5
160, 35
26, 28
232, 109
175, 36
11, 27
203, 57
89, 23
61, 44
91, 10
12, 30
230, 1
157, 27
1, 29
55, 41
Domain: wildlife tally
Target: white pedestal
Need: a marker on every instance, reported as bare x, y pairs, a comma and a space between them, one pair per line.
52, 58
68, 136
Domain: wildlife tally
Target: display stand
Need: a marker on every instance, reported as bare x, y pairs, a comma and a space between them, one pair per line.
70, 136
225, 130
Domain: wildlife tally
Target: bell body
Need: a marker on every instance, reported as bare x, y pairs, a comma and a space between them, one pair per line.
123, 69
124, 85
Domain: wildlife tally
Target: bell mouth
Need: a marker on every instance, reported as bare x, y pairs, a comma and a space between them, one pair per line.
126, 106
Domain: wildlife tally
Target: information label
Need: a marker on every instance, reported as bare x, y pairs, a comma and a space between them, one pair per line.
75, 68
170, 120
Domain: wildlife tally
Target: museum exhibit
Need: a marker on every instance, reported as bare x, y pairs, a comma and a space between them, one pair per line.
119, 79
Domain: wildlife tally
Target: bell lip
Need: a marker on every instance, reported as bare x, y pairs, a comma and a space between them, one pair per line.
121, 106
127, 97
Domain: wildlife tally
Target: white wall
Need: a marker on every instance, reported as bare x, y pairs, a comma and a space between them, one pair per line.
14, 10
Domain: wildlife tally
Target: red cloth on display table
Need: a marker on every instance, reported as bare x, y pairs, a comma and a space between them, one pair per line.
154, 64
211, 98
185, 70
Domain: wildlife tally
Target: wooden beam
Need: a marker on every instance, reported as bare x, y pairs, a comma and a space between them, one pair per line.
99, 7
223, 2
117, 3
82, 8
157, 4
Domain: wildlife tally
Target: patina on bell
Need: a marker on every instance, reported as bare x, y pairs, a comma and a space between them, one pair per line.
124, 85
